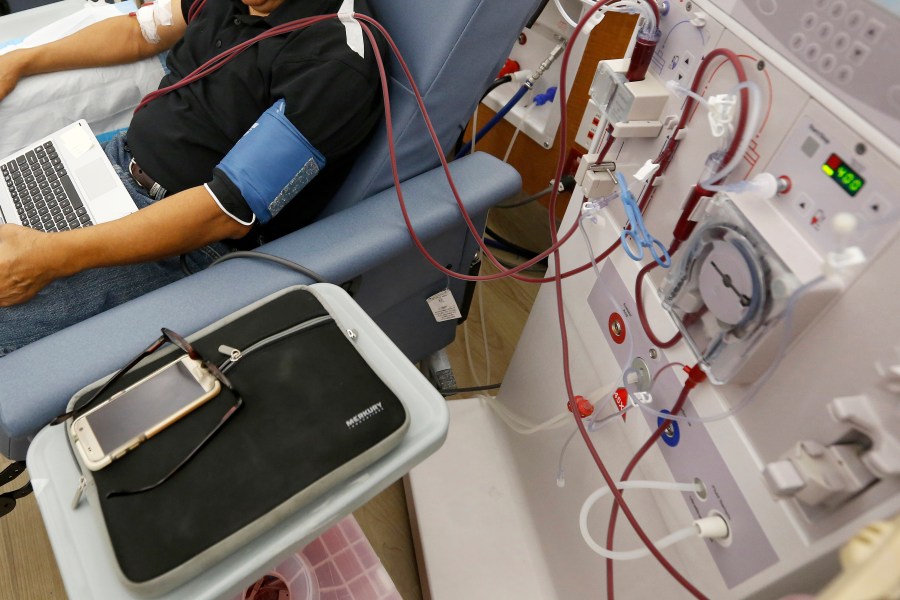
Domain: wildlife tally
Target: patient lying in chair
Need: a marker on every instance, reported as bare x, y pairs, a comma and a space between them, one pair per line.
214, 161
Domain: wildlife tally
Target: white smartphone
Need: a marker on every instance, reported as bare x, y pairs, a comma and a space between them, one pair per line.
140, 411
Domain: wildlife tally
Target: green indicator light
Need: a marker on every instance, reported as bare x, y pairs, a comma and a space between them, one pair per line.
841, 173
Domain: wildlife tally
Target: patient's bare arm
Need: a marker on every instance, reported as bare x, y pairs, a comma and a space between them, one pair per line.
112, 41
31, 259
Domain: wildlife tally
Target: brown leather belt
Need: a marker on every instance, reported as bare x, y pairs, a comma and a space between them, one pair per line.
145, 181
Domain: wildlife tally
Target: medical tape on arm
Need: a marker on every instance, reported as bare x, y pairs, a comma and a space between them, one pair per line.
271, 163
153, 15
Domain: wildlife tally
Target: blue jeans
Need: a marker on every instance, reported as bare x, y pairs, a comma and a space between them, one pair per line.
72, 299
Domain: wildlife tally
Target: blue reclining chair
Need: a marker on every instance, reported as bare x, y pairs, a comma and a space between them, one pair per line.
454, 50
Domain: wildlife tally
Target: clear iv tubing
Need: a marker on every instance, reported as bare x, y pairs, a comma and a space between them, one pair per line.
518, 130
593, 426
219, 60
642, 8
672, 538
563, 330
521, 425
557, 241
476, 137
753, 115
763, 379
612, 299
599, 135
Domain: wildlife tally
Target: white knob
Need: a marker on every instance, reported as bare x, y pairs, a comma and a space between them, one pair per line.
714, 527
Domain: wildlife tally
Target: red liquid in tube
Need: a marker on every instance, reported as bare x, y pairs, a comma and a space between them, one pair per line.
641, 57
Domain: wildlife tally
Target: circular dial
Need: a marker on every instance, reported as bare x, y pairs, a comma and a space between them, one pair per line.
726, 282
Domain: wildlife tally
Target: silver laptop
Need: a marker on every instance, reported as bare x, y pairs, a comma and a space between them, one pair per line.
63, 181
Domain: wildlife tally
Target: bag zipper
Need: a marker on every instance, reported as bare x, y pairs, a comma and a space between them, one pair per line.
79, 492
234, 354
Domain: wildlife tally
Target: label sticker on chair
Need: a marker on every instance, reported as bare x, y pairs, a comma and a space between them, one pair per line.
443, 306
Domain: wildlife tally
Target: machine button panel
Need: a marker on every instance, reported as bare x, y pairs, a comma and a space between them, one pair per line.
812, 52
894, 95
767, 7
829, 177
838, 10
854, 19
829, 27
858, 53
855, 33
872, 31
809, 21
827, 64
825, 31
841, 42
844, 75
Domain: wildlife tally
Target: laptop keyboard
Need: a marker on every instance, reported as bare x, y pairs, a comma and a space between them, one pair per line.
43, 192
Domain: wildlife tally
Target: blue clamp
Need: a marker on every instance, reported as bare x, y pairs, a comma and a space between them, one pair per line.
637, 238
548, 96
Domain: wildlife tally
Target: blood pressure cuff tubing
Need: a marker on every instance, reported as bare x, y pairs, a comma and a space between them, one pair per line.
267, 167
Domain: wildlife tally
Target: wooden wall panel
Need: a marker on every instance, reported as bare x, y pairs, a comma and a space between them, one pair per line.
536, 164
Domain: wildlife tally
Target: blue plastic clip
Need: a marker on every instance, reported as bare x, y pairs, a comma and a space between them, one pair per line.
637, 238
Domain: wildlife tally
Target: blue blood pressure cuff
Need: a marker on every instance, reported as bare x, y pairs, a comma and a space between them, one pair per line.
267, 167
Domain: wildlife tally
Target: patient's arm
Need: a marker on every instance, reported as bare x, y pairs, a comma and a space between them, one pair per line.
31, 259
111, 41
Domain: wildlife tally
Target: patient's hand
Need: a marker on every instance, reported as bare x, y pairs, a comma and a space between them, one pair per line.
10, 73
24, 256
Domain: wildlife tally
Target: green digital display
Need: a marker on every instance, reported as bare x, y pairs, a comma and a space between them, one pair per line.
841, 173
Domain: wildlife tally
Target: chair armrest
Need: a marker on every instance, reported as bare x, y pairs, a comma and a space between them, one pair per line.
39, 379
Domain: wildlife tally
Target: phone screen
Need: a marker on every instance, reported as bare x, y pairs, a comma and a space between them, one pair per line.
148, 404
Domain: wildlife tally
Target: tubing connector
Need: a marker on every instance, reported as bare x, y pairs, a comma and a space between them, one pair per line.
554, 54
582, 405
696, 376
784, 184
712, 528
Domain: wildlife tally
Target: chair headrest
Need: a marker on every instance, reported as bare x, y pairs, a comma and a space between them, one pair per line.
454, 50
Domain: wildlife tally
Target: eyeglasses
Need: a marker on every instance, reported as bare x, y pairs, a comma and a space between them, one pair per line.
178, 341
8, 499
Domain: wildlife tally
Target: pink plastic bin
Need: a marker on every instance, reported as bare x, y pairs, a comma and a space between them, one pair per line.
339, 565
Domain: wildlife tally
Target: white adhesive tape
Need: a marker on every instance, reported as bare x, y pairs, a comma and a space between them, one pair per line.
148, 23
354, 30
162, 12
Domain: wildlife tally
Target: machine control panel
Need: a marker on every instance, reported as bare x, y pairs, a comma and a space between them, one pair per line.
833, 171
836, 42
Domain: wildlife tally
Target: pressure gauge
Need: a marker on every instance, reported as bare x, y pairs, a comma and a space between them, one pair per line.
727, 282
720, 290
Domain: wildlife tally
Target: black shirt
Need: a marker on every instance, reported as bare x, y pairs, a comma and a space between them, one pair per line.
333, 97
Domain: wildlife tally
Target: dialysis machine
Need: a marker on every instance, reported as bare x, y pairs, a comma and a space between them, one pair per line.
784, 291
